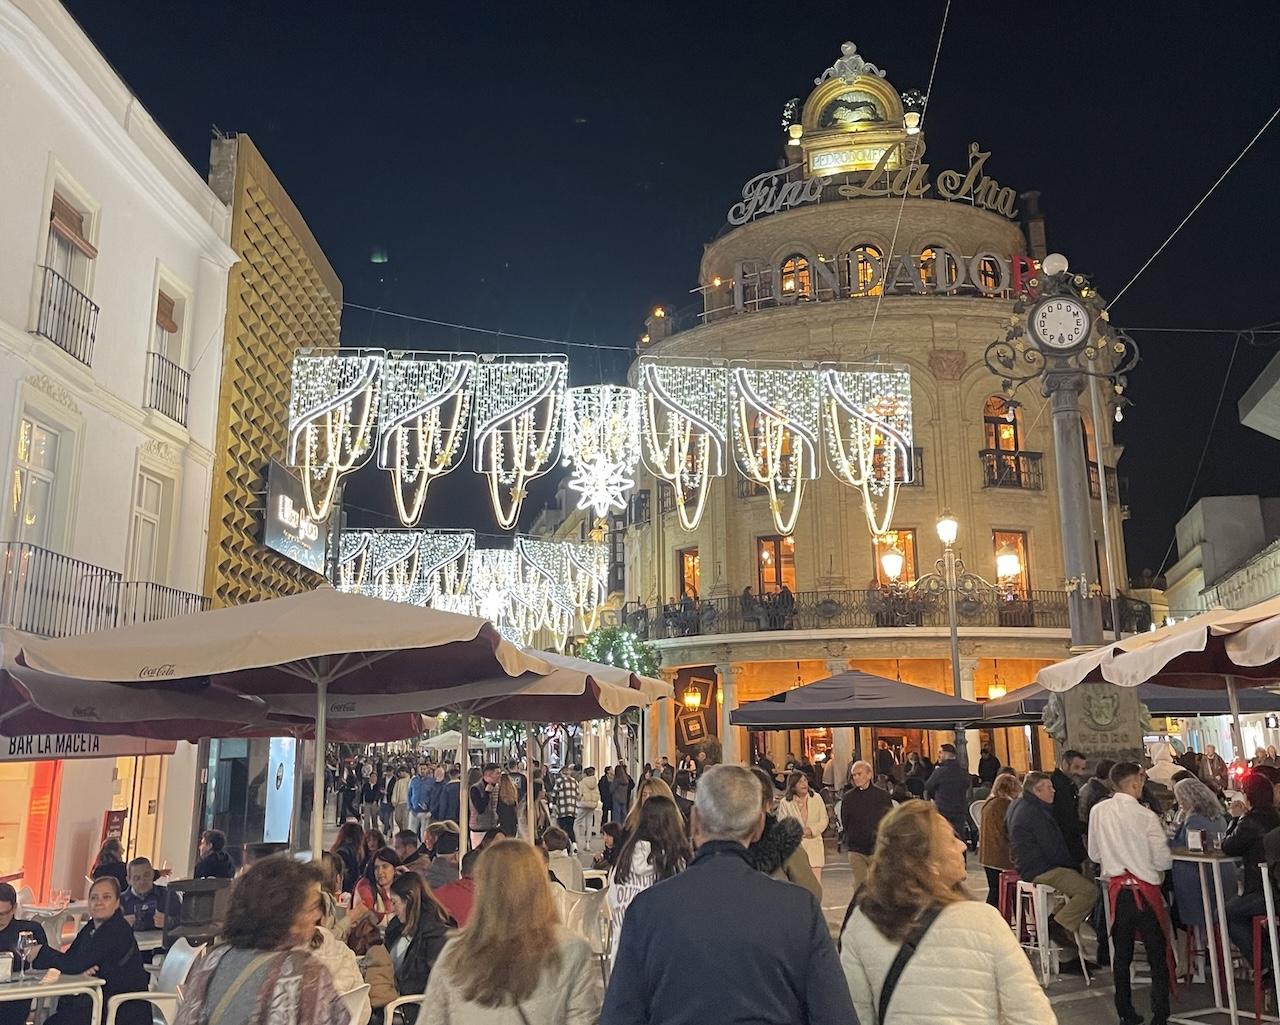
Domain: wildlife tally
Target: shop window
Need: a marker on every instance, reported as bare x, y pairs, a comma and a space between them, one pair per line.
796, 277
904, 540
1008, 546
775, 563
1001, 425
689, 572
860, 271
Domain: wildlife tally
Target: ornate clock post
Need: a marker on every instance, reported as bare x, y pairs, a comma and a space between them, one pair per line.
1059, 333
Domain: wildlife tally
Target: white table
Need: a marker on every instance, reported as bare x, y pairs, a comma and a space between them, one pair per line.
149, 939
1220, 957
45, 984
76, 907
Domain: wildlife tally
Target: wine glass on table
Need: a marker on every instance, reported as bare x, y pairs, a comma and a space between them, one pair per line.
26, 948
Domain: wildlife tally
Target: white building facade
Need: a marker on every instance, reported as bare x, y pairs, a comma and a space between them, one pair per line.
112, 297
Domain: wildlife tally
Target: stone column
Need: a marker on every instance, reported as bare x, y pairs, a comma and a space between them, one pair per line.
973, 739
842, 738
732, 739
662, 739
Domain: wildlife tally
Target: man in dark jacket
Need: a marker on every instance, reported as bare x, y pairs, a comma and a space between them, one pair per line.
1066, 802
861, 809
14, 1012
1040, 855
414, 856
988, 767
446, 804
214, 862
948, 788
707, 924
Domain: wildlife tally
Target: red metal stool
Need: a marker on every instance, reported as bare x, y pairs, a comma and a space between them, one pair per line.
1259, 929
1008, 890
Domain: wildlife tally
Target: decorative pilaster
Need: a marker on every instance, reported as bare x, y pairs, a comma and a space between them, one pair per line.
732, 738
968, 690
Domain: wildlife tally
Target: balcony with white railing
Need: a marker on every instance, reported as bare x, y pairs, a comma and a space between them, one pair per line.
44, 592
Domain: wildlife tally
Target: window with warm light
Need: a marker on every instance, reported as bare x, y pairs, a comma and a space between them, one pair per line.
1012, 568
861, 271
904, 540
928, 268
1002, 425
775, 563
796, 278
689, 572
989, 274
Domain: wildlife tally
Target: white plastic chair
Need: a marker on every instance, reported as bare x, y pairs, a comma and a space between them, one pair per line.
25, 897
356, 1002
587, 915
54, 926
389, 1012
164, 998
975, 813
1037, 896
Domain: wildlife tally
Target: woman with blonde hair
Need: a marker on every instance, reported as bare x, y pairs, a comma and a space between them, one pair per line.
965, 958
993, 838
513, 953
653, 786
801, 803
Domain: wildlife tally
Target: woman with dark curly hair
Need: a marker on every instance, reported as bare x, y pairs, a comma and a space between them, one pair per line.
655, 849
349, 846
778, 852
255, 975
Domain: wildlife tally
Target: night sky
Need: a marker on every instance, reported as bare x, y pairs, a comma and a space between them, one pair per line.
554, 169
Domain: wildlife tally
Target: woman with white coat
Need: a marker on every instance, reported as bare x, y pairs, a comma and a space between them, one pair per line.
801, 803
966, 959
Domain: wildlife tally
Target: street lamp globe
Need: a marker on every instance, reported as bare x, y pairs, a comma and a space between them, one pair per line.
948, 529
1054, 263
892, 562
1008, 563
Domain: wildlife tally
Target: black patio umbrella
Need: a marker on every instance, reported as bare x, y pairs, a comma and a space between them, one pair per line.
857, 699
1025, 706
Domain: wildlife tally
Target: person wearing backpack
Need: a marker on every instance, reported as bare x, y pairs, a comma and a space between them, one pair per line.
916, 949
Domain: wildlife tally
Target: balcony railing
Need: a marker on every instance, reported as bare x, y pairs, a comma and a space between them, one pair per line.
168, 388
1003, 469
67, 317
1135, 616
53, 595
1113, 487
865, 609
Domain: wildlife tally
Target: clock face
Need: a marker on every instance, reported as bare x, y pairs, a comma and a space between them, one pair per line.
1059, 323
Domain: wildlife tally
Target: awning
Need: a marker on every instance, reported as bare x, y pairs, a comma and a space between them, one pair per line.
857, 699
1025, 705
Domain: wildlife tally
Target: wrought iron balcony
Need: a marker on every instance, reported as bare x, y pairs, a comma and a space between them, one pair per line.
1135, 615
67, 316
168, 388
1004, 469
44, 592
1113, 487
864, 609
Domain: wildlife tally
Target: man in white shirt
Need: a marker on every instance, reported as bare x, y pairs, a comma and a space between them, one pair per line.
1128, 841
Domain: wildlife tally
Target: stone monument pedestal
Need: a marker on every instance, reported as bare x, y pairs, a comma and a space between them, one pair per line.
1100, 720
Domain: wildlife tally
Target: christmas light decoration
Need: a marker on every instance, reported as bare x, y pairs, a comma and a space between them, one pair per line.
866, 416
774, 409
684, 408
333, 408
602, 444
423, 417
517, 419
495, 575
617, 646
588, 578
353, 560
393, 564
444, 566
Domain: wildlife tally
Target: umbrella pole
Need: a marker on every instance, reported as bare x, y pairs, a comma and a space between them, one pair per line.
1233, 700
528, 784
317, 782
464, 793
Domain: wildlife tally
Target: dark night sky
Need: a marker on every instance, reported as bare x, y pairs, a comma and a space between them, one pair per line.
553, 169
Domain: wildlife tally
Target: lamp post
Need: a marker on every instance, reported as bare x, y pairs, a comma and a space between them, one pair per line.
951, 579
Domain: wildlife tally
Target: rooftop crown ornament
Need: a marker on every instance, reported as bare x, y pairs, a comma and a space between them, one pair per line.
774, 410
684, 407
333, 408
518, 408
849, 66
601, 443
866, 415
422, 422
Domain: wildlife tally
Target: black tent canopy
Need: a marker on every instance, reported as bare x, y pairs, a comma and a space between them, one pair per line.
855, 698
1025, 705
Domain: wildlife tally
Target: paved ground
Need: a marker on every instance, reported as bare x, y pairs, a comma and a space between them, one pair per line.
1073, 1001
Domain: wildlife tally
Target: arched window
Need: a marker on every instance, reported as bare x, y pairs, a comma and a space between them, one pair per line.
796, 279
989, 274
860, 272
1001, 424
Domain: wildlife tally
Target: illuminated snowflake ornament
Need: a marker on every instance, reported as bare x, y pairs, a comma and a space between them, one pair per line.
601, 443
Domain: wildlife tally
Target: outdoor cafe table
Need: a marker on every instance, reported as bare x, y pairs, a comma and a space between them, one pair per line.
1211, 863
41, 985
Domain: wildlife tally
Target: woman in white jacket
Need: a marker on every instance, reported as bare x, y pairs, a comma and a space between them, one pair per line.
967, 962
800, 803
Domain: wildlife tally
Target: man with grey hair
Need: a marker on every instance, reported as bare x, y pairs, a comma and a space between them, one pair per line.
861, 809
721, 942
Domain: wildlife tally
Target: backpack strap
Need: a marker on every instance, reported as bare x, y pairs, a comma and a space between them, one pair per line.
905, 953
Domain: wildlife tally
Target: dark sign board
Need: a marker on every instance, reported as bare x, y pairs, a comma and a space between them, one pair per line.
287, 527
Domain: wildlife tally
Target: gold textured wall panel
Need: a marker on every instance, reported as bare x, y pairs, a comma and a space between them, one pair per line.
282, 296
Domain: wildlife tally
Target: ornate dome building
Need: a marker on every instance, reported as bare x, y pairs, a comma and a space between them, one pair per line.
861, 249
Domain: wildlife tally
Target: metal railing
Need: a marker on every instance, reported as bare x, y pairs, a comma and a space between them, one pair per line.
862, 609
168, 388
1004, 469
1135, 615
67, 316
44, 592
1113, 486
